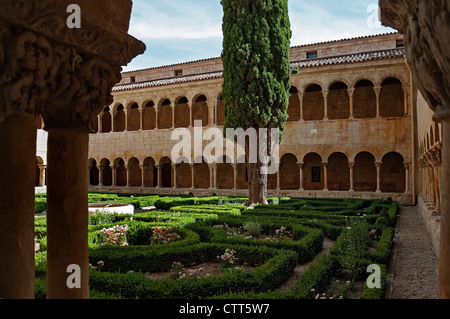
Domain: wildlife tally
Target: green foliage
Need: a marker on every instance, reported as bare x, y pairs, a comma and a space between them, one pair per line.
255, 56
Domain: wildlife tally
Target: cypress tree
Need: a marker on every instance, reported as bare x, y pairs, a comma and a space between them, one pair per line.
256, 50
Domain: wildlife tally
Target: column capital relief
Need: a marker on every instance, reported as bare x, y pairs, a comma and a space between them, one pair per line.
351, 164
66, 75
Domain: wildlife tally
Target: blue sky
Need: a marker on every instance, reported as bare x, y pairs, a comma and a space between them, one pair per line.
177, 31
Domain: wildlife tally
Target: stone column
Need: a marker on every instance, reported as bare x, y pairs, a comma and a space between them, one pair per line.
377, 90
278, 178
140, 119
100, 174
156, 117
18, 171
114, 175
128, 168
99, 119
351, 165
191, 121
325, 105
172, 105
301, 96
125, 110
159, 170
351, 93
143, 171
42, 174
235, 176
174, 166
300, 166
325, 176
378, 166
192, 165
407, 180
67, 213
406, 90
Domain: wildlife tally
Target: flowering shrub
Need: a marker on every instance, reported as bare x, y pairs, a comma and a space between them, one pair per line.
177, 271
114, 236
164, 236
228, 259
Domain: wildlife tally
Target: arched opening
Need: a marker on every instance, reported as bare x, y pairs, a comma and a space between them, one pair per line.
338, 101
165, 115
149, 116
200, 110
94, 124
134, 173
121, 172
151, 173
93, 173
225, 174
201, 174
242, 173
107, 172
313, 103
134, 118
182, 113
119, 119
393, 174
184, 173
166, 172
364, 100
313, 172
392, 98
338, 172
294, 105
106, 120
365, 173
289, 172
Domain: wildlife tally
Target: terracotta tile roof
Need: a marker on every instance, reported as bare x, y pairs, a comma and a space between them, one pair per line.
352, 58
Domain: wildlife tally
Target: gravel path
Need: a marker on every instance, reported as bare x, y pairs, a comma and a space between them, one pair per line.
414, 266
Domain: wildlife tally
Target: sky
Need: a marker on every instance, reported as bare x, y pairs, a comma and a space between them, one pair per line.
177, 31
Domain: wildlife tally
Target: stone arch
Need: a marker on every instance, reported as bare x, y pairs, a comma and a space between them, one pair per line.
364, 100
134, 172
93, 172
151, 173
365, 173
165, 114
220, 111
121, 172
200, 110
313, 103
182, 112
338, 172
338, 101
107, 172
106, 120
134, 118
166, 172
225, 174
294, 105
149, 116
313, 172
119, 119
393, 173
392, 99
289, 172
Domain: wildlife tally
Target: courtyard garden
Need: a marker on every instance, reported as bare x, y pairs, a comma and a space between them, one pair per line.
186, 247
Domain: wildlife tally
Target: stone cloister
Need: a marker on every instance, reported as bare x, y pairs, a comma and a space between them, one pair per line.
64, 76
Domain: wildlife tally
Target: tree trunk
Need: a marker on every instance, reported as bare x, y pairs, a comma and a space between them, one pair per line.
257, 182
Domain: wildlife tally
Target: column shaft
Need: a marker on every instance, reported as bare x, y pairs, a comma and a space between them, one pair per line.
67, 213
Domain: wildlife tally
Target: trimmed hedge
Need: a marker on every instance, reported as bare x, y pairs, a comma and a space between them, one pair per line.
275, 269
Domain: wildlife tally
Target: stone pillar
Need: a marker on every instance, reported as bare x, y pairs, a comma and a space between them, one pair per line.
159, 170
378, 166
278, 178
18, 171
99, 119
191, 121
192, 165
128, 168
143, 171
406, 90
211, 176
125, 110
156, 117
114, 175
235, 176
140, 119
174, 166
67, 213
325, 176
351, 93
407, 179
301, 96
42, 169
100, 174
325, 105
300, 166
172, 105
377, 90
351, 165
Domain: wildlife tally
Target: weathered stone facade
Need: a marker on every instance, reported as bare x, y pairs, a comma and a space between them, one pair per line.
349, 134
